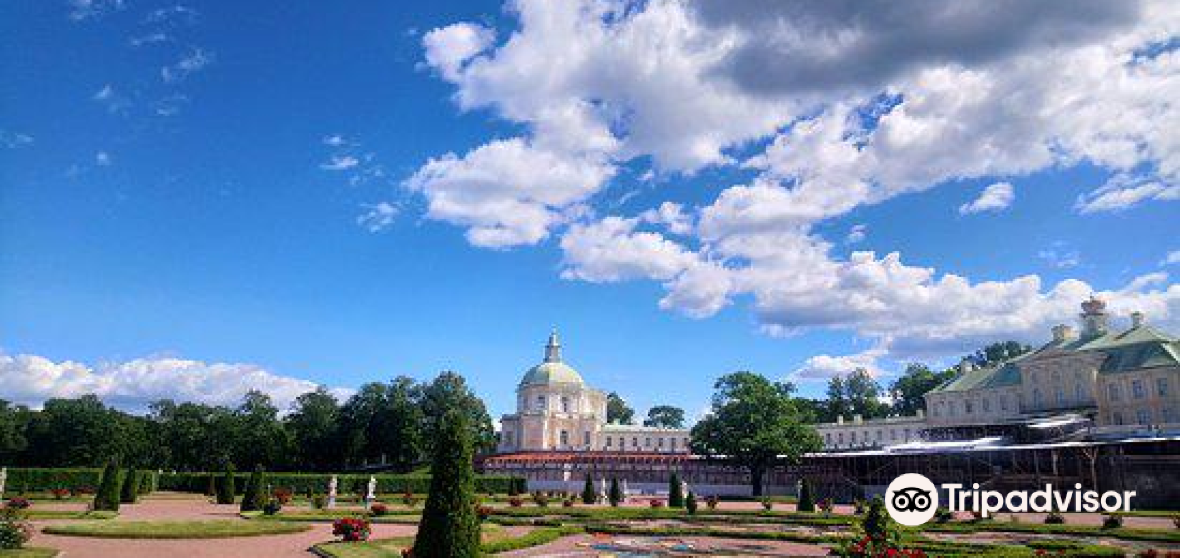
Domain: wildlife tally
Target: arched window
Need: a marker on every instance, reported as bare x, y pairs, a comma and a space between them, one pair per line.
565, 438
565, 404
540, 402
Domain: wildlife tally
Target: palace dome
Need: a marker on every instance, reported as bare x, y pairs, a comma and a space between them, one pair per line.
552, 370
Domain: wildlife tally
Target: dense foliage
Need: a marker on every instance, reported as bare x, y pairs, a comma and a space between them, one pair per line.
675, 492
450, 523
755, 423
665, 416
129, 492
107, 497
254, 497
617, 410
391, 422
589, 496
226, 487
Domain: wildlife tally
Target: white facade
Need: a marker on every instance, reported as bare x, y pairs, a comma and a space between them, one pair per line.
557, 411
867, 434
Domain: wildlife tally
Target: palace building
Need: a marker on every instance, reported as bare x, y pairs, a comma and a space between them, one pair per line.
557, 411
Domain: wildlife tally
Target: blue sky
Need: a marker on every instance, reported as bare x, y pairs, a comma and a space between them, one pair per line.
196, 183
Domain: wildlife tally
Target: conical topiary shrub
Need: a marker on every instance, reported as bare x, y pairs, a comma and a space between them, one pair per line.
806, 499
615, 495
129, 492
226, 488
450, 524
107, 496
255, 496
589, 496
675, 492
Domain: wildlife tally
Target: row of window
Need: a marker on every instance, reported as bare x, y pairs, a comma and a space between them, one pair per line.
567, 405
1143, 417
865, 438
1114, 390
647, 442
940, 408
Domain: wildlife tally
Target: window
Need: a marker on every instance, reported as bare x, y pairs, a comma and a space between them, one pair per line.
608, 441
938, 409
1166, 416
1079, 392
987, 404
1137, 389
1161, 387
852, 436
540, 402
1003, 402
1143, 417
634, 442
968, 406
880, 436
1060, 396
673, 442
1113, 392
952, 405
840, 437
565, 404
586, 438
1037, 397
660, 443
1056, 377
1117, 418
907, 434
508, 438
565, 438
893, 435
647, 442
828, 438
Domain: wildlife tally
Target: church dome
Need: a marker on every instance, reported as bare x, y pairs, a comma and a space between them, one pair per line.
552, 370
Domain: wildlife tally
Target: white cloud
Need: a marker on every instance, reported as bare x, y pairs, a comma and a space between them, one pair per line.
341, 162
856, 234
31, 379
13, 140
1124, 191
334, 140
108, 97
1172, 258
508, 192
850, 114
103, 159
194, 61
825, 367
996, 197
88, 9
378, 217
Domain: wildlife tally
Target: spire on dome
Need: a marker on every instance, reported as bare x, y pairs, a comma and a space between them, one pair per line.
553, 348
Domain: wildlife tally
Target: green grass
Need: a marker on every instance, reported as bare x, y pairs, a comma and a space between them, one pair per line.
327, 516
713, 532
623, 514
67, 514
213, 529
1123, 533
495, 541
29, 552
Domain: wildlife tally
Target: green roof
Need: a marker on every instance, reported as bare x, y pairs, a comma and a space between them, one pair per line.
1004, 374
548, 373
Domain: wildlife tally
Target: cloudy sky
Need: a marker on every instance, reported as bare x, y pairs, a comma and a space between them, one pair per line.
204, 197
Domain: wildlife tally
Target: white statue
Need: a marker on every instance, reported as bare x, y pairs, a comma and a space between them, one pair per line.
372, 494
602, 496
684, 488
332, 492
626, 491
3, 479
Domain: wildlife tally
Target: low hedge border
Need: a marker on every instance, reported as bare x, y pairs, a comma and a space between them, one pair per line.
1123, 533
351, 483
212, 529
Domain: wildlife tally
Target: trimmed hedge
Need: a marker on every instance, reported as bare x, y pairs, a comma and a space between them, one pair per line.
301, 483
43, 479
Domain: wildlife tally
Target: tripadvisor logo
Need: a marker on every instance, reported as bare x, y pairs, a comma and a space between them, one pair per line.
912, 499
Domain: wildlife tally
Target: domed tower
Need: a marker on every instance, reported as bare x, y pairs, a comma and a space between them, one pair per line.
1093, 317
555, 409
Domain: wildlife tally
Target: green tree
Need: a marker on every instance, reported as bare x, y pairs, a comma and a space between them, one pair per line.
12, 426
399, 436
447, 392
755, 424
997, 353
589, 496
857, 393
226, 488
690, 503
665, 416
109, 487
129, 491
617, 410
313, 428
261, 437
876, 522
675, 492
806, 498
615, 494
255, 496
450, 526
908, 390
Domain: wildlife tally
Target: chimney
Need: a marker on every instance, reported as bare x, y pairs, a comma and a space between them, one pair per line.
1093, 317
966, 365
921, 413
857, 418
840, 419
1062, 333
1137, 319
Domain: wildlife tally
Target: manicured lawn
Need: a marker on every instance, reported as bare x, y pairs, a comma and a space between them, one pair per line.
495, 540
1129, 534
326, 516
28, 552
175, 529
68, 514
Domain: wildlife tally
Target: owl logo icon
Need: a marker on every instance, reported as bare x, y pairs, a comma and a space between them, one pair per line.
911, 499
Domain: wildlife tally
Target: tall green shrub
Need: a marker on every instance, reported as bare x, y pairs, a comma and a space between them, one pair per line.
806, 498
615, 495
107, 496
255, 496
675, 492
450, 524
226, 488
129, 492
690, 503
876, 523
211, 485
588, 494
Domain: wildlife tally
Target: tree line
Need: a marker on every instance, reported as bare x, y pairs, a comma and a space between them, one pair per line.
858, 393
391, 423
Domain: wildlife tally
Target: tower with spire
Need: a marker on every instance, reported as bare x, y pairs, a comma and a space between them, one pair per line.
553, 348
